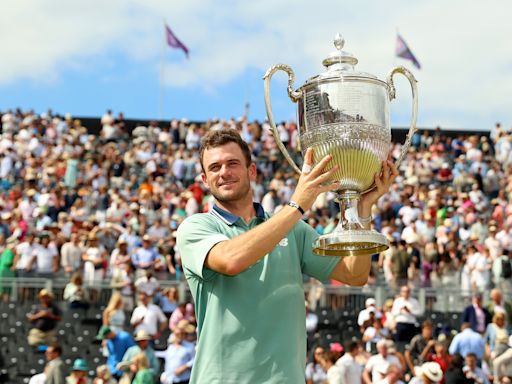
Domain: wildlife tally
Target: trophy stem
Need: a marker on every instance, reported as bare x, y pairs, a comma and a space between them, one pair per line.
349, 238
348, 201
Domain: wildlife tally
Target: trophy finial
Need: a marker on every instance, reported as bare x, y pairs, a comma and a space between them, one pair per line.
339, 41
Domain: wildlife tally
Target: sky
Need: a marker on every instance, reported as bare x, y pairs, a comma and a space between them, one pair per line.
83, 57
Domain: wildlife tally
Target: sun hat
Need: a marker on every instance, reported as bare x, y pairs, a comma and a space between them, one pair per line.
45, 292
431, 370
142, 335
80, 365
185, 326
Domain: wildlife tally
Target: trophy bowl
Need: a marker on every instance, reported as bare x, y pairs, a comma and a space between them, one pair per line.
345, 113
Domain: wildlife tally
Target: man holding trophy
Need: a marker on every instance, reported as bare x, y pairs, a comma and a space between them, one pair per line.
245, 267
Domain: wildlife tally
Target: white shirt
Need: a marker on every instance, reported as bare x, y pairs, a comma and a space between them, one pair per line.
351, 370
402, 316
376, 363
152, 315
334, 375
26, 252
44, 258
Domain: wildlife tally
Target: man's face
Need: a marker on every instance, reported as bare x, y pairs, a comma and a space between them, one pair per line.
426, 332
51, 354
404, 292
226, 173
471, 362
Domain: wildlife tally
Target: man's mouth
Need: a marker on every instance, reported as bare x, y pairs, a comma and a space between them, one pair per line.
227, 183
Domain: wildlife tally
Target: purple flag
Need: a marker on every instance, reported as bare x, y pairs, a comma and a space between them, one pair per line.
403, 51
173, 41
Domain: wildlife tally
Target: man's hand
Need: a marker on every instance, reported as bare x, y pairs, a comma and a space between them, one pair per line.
313, 183
383, 182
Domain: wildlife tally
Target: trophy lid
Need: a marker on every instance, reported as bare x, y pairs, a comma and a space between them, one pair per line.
339, 56
341, 63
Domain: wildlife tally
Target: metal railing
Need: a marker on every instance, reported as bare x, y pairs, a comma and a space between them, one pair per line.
440, 299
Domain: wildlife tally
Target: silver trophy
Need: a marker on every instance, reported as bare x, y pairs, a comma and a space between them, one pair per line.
345, 113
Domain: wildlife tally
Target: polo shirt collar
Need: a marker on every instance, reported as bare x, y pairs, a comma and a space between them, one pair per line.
230, 218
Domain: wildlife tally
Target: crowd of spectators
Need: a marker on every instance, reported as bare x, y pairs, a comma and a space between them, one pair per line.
106, 207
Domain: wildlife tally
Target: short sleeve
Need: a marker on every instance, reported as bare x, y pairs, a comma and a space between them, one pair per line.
319, 267
196, 237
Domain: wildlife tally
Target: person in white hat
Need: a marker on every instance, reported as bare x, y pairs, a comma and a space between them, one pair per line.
142, 339
364, 315
427, 373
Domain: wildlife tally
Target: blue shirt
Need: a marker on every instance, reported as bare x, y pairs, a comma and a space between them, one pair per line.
468, 341
143, 255
175, 356
117, 347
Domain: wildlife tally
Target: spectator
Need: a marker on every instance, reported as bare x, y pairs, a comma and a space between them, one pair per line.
79, 373
421, 348
503, 363
328, 362
400, 263
75, 293
71, 255
54, 370
45, 257
442, 357
7, 268
147, 284
179, 355
145, 257
180, 313
149, 317
116, 343
427, 373
393, 374
142, 339
373, 334
473, 372
364, 315
103, 375
476, 315
113, 315
496, 335
315, 373
44, 319
140, 368
498, 304
377, 364
405, 311
467, 341
350, 369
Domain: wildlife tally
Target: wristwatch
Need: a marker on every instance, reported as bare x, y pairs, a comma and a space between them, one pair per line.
293, 204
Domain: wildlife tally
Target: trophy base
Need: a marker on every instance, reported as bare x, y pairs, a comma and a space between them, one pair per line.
351, 242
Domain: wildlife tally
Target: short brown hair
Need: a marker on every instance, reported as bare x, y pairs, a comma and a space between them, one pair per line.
218, 138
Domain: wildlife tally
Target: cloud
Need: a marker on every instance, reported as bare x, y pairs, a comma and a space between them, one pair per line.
461, 45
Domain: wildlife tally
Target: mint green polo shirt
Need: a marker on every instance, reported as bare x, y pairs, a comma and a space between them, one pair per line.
252, 326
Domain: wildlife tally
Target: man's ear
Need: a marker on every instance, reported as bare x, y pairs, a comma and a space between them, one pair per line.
253, 172
203, 178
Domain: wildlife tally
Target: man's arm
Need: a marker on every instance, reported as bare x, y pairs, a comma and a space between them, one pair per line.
234, 256
354, 270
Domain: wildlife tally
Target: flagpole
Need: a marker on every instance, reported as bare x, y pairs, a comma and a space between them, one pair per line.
394, 48
162, 77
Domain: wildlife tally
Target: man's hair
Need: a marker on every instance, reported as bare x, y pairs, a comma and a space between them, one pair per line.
352, 346
56, 348
472, 354
218, 138
426, 324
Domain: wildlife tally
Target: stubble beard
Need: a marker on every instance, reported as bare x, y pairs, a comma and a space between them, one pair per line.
238, 195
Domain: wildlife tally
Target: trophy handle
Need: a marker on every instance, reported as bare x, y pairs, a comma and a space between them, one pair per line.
294, 96
391, 93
